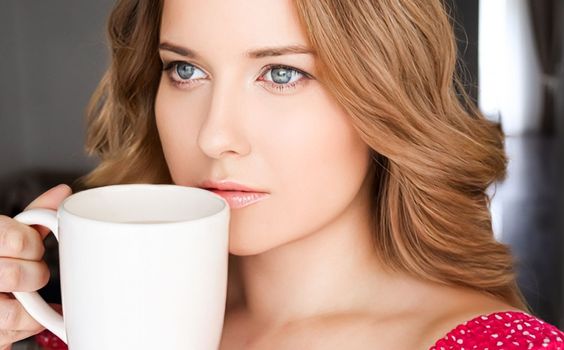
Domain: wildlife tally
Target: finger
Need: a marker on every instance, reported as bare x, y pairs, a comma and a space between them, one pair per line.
13, 317
22, 275
49, 200
18, 240
52, 198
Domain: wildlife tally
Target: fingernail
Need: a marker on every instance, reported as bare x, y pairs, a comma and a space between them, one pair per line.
55, 188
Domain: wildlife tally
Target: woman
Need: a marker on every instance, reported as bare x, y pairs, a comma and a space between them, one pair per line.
372, 227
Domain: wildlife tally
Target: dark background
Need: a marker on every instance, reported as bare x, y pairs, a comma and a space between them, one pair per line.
531, 198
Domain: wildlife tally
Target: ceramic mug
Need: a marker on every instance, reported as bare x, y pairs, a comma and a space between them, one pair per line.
142, 266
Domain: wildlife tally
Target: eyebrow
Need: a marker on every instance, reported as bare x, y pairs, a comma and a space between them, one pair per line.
257, 53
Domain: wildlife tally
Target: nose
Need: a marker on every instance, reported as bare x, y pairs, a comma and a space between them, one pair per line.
222, 132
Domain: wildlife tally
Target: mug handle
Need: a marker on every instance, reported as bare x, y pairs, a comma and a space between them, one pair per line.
32, 302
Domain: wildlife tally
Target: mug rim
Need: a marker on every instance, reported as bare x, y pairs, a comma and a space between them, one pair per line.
120, 187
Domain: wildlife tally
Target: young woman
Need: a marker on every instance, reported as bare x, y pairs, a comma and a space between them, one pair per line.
367, 225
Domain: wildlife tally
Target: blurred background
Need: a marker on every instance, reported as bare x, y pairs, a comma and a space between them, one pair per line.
52, 54
513, 50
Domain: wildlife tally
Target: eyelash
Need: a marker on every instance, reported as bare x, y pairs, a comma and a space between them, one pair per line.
170, 69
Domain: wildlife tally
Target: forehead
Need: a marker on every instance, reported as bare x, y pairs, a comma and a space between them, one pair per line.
231, 26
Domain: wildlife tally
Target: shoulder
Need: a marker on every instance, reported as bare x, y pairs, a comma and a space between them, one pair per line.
351, 331
502, 330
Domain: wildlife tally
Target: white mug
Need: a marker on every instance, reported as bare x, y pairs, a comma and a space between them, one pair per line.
142, 267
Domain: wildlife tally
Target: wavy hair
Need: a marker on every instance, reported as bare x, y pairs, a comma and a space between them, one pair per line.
434, 153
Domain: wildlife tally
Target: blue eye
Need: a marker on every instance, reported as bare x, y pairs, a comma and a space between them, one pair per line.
182, 73
283, 75
283, 79
184, 70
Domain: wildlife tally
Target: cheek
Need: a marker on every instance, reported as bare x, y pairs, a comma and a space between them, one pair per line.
317, 164
326, 165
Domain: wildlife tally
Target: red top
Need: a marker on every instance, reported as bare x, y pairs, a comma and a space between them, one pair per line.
508, 330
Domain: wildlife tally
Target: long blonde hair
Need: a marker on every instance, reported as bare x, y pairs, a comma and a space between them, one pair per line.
391, 65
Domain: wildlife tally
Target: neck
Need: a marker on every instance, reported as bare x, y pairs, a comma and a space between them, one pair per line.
333, 270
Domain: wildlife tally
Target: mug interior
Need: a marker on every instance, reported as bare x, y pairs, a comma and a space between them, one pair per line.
144, 203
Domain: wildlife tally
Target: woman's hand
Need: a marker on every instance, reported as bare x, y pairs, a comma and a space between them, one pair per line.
22, 268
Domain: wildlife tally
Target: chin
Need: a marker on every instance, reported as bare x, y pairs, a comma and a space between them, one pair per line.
244, 248
248, 246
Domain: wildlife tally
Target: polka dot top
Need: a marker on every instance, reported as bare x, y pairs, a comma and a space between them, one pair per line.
509, 330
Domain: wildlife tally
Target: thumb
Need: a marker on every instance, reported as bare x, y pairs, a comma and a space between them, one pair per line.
52, 198
49, 200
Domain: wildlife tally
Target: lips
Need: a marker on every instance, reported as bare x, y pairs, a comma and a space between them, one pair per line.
236, 194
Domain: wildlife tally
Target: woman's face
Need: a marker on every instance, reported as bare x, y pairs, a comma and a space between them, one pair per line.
234, 105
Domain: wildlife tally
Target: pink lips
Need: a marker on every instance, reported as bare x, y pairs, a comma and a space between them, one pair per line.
238, 199
236, 195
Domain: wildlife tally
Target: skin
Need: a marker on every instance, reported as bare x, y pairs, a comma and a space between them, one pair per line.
309, 277
309, 274
22, 268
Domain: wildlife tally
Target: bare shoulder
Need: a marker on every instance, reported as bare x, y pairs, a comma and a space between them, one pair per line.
332, 331
342, 331
444, 320
414, 331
